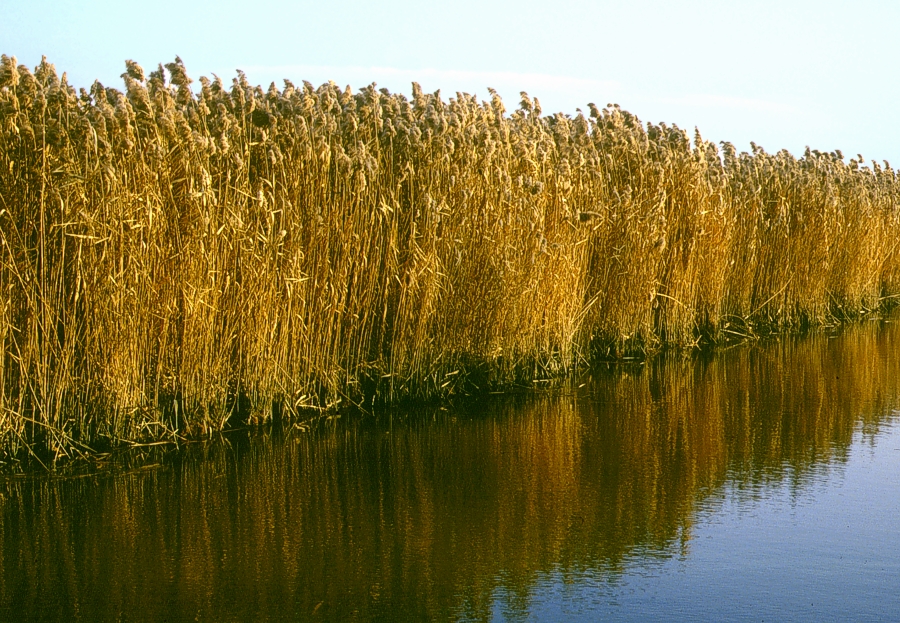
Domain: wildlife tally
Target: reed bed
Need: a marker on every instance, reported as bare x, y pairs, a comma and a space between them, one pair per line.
174, 258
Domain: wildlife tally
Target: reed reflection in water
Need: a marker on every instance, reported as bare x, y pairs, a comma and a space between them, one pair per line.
432, 515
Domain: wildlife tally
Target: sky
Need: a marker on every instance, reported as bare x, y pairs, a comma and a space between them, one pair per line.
785, 74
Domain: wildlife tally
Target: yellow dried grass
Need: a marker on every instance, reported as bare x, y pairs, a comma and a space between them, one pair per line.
171, 259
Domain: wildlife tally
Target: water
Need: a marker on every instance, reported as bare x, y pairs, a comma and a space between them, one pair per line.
760, 484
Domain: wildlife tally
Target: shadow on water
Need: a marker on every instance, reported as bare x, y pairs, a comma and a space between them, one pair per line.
432, 515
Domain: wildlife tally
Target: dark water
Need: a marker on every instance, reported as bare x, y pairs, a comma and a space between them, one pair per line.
759, 484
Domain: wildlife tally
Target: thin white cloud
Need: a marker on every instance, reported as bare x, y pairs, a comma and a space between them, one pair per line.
450, 80
705, 100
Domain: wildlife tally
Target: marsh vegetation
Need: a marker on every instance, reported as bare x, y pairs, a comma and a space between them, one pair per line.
173, 258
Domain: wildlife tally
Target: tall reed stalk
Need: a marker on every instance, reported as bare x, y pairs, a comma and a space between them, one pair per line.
170, 258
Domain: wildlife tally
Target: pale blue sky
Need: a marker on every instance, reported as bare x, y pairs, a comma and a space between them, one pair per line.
782, 73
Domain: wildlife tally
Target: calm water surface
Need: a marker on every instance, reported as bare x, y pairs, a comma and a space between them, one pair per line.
761, 484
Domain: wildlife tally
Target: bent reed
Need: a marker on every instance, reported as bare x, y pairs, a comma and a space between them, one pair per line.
172, 260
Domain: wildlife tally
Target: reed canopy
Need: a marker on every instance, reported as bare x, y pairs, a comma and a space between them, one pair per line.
173, 256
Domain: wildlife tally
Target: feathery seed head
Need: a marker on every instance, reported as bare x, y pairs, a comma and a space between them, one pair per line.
9, 77
134, 70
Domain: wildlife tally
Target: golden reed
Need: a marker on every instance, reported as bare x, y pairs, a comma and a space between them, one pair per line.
171, 258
